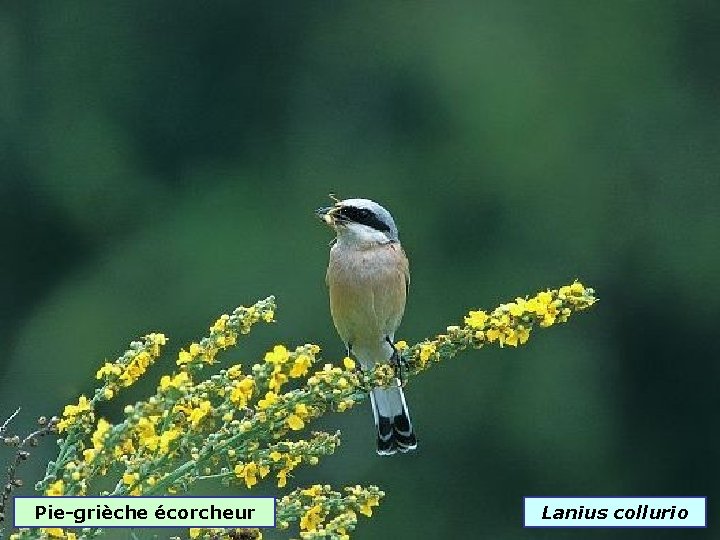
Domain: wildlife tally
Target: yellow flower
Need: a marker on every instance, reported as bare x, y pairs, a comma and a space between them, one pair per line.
476, 319
247, 472
108, 369
194, 533
366, 507
300, 366
200, 412
302, 410
54, 532
127, 448
523, 334
242, 391
129, 478
544, 297
234, 372
282, 477
311, 519
146, 432
89, 455
158, 339
295, 423
269, 315
492, 334
167, 437
184, 357
312, 491
135, 369
511, 339
517, 308
270, 399
277, 379
426, 351
345, 404
98, 436
349, 363
56, 489
278, 356
219, 325
275, 455
71, 412
176, 381
82, 406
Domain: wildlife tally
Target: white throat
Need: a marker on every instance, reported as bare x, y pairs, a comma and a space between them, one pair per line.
357, 235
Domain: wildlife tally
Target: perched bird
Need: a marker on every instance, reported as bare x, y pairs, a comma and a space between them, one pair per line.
368, 278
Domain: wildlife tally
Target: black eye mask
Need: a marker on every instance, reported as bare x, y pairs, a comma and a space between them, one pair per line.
363, 216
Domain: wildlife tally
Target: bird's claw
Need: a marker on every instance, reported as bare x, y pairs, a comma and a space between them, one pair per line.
398, 362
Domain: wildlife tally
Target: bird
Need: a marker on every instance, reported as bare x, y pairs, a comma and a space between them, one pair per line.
368, 278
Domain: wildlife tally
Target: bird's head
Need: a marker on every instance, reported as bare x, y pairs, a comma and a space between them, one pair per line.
359, 221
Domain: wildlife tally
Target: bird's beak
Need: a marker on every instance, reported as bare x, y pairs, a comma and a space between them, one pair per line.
326, 214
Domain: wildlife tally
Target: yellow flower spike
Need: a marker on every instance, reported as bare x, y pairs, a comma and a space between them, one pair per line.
180, 425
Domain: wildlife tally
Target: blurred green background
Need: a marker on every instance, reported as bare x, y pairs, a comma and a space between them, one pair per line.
160, 162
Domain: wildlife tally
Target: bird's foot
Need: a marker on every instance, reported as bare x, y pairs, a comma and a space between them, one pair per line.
398, 362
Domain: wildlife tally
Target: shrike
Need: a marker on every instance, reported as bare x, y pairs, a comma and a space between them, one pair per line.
368, 278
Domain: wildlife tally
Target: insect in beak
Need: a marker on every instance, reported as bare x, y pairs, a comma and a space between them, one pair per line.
326, 214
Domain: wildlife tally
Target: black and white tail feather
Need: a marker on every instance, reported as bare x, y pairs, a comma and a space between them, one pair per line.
392, 420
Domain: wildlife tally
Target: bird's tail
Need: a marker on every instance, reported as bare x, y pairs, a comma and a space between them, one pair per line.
392, 420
